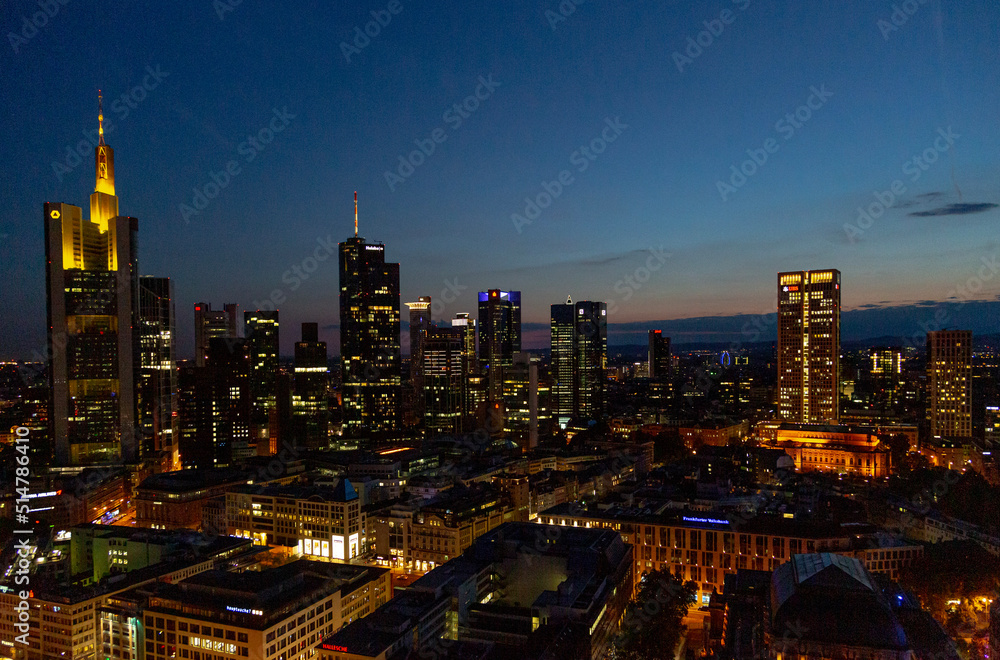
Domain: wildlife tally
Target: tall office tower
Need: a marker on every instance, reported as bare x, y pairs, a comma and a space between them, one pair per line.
992, 425
809, 346
886, 371
659, 355
525, 401
579, 359
229, 365
369, 336
420, 321
949, 383
444, 380
91, 278
310, 411
214, 406
261, 332
499, 336
210, 323
886, 363
473, 393
156, 376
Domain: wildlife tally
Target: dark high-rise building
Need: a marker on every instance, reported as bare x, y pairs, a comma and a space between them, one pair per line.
214, 403
499, 336
420, 321
261, 332
369, 337
210, 323
949, 383
91, 278
809, 346
659, 355
156, 376
310, 412
579, 359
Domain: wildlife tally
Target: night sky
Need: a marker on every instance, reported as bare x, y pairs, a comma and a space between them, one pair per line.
656, 224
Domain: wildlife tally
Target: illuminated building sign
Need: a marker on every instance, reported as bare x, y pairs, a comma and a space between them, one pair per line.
713, 521
244, 610
334, 647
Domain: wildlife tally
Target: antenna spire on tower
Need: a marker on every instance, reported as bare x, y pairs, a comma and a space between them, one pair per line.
355, 212
100, 116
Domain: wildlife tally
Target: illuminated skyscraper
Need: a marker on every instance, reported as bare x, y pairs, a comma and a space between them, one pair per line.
91, 278
809, 346
525, 401
659, 355
449, 366
949, 383
579, 359
156, 377
499, 336
420, 321
369, 336
310, 413
261, 331
210, 323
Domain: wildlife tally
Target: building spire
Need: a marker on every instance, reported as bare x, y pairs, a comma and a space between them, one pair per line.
355, 213
100, 116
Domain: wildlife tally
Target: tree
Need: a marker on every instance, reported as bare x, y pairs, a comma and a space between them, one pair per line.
654, 620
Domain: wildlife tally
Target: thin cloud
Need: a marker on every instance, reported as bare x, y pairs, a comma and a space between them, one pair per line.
962, 208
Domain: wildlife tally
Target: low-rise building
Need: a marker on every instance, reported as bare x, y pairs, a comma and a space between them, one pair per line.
561, 594
445, 527
704, 547
174, 500
278, 613
312, 521
838, 449
826, 606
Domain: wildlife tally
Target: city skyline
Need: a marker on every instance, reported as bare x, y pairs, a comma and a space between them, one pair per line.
662, 155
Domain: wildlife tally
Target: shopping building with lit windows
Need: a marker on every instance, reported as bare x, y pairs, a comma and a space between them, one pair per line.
275, 614
314, 522
809, 346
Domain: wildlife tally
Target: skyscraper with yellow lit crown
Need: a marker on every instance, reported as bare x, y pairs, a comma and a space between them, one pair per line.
91, 280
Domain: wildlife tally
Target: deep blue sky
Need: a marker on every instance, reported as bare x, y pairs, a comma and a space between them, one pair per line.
655, 186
